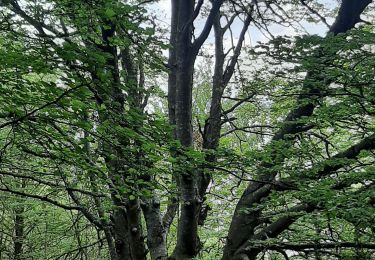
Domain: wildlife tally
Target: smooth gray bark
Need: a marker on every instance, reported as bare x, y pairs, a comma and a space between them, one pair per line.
181, 61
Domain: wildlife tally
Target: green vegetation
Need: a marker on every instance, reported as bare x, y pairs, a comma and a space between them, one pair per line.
111, 149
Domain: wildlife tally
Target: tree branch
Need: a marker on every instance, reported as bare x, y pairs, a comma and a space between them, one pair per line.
207, 27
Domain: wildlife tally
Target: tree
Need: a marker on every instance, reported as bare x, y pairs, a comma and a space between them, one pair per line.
314, 84
92, 127
281, 155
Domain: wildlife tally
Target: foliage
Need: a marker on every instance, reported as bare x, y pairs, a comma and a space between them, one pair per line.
87, 145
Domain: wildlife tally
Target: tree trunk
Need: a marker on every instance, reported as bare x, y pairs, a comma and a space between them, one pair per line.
120, 234
187, 238
182, 58
221, 78
156, 231
19, 227
128, 232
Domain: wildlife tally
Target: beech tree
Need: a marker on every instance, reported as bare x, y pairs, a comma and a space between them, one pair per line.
239, 233
225, 149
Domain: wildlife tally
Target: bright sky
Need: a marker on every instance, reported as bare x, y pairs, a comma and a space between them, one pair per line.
163, 10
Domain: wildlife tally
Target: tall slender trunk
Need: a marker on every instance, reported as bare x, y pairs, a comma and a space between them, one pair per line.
187, 239
181, 61
19, 230
180, 102
221, 78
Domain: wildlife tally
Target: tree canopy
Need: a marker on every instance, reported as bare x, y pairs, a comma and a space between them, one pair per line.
236, 130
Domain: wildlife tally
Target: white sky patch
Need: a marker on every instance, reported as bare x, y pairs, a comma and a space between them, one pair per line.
163, 9
165, 5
